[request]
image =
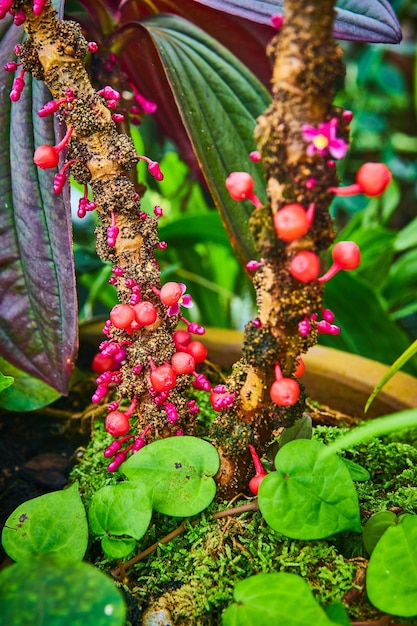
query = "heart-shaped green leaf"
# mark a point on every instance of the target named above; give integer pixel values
(219, 101)
(309, 497)
(53, 524)
(279, 598)
(54, 592)
(391, 576)
(180, 470)
(375, 528)
(122, 509)
(38, 320)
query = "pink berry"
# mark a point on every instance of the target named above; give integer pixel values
(240, 187)
(145, 313)
(197, 350)
(371, 179)
(291, 222)
(46, 157)
(346, 256)
(300, 368)
(170, 293)
(181, 338)
(122, 315)
(183, 363)
(117, 423)
(305, 266)
(285, 392)
(101, 364)
(163, 378)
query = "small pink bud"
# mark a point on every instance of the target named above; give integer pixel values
(92, 46)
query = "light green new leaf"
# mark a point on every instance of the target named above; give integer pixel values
(53, 592)
(5, 381)
(180, 470)
(122, 509)
(54, 524)
(391, 577)
(309, 497)
(278, 598)
(219, 100)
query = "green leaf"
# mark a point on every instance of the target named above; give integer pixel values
(397, 365)
(336, 612)
(122, 509)
(407, 237)
(278, 598)
(308, 497)
(301, 429)
(5, 381)
(180, 470)
(375, 528)
(219, 100)
(391, 577)
(53, 524)
(356, 471)
(53, 592)
(27, 393)
(366, 327)
(116, 547)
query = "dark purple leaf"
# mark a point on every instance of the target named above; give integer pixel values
(356, 20)
(38, 321)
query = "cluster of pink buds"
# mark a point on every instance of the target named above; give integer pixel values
(85, 204)
(324, 326)
(284, 391)
(111, 97)
(221, 398)
(112, 231)
(17, 87)
(114, 449)
(103, 382)
(143, 106)
(61, 178)
(153, 167)
(111, 363)
(53, 105)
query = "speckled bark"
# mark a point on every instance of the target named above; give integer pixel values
(307, 66)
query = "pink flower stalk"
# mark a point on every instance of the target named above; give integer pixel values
(323, 140)
(185, 300)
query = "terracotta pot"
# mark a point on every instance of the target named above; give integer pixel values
(334, 378)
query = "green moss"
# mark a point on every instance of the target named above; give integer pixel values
(194, 575)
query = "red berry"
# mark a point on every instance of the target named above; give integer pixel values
(163, 378)
(347, 255)
(102, 363)
(46, 157)
(197, 350)
(240, 187)
(122, 315)
(305, 266)
(145, 313)
(285, 392)
(117, 423)
(300, 368)
(181, 338)
(255, 482)
(183, 363)
(291, 222)
(373, 178)
(170, 293)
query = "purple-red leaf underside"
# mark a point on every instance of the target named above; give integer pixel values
(38, 313)
(356, 20)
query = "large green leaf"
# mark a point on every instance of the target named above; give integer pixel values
(365, 326)
(179, 470)
(55, 592)
(54, 524)
(37, 287)
(309, 497)
(278, 598)
(219, 101)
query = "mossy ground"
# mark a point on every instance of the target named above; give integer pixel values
(194, 574)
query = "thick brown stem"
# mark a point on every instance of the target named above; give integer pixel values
(307, 66)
